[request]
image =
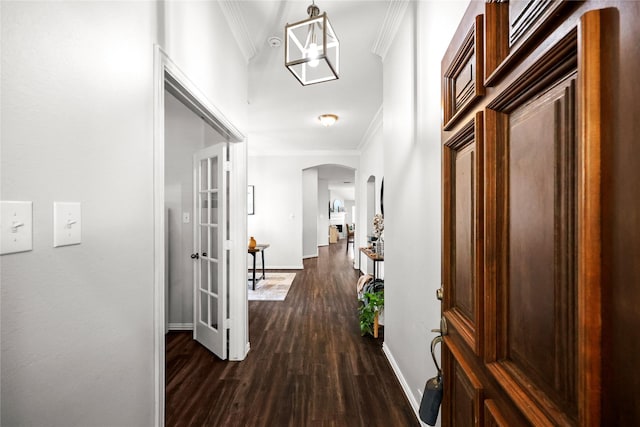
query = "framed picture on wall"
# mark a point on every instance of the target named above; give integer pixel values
(250, 200)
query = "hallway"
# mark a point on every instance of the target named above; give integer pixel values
(308, 364)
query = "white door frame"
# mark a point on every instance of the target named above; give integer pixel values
(166, 72)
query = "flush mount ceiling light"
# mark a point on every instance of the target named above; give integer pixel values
(312, 50)
(328, 119)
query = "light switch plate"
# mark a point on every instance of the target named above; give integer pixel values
(16, 220)
(186, 218)
(67, 224)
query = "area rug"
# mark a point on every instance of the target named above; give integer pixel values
(274, 287)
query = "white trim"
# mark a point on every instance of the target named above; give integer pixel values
(285, 267)
(238, 27)
(390, 26)
(308, 153)
(403, 382)
(158, 236)
(167, 72)
(181, 326)
(238, 295)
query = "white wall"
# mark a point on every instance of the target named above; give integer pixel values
(184, 135)
(412, 187)
(278, 218)
(323, 212)
(371, 164)
(77, 125)
(309, 213)
(348, 218)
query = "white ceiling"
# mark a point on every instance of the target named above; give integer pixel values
(341, 181)
(283, 113)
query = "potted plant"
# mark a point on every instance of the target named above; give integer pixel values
(370, 305)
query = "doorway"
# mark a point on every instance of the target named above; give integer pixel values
(190, 258)
(329, 203)
(169, 79)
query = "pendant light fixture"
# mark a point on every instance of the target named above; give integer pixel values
(312, 50)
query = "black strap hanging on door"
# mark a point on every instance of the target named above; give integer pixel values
(433, 390)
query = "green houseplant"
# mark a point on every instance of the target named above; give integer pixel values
(370, 304)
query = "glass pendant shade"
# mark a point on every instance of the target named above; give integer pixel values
(312, 50)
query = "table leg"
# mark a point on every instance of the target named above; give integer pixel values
(375, 270)
(254, 271)
(263, 276)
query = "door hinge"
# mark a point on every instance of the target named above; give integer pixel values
(227, 323)
(227, 245)
(227, 166)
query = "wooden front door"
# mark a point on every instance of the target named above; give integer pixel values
(524, 91)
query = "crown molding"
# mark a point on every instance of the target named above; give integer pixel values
(301, 153)
(238, 26)
(390, 26)
(374, 127)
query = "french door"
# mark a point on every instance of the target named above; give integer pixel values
(210, 256)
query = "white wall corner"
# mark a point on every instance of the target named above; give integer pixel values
(389, 28)
(238, 26)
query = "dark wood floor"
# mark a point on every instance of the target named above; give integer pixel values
(308, 364)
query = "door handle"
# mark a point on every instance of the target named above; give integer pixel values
(440, 293)
(195, 256)
(204, 254)
(443, 327)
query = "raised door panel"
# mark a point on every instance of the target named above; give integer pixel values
(466, 392)
(463, 242)
(525, 14)
(513, 27)
(534, 294)
(464, 77)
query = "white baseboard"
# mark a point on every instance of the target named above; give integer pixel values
(284, 267)
(403, 382)
(181, 326)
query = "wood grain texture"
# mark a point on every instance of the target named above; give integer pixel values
(308, 364)
(496, 36)
(595, 104)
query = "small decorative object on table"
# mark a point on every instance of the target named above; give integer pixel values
(378, 232)
(252, 243)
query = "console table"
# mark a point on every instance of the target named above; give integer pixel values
(373, 256)
(259, 248)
